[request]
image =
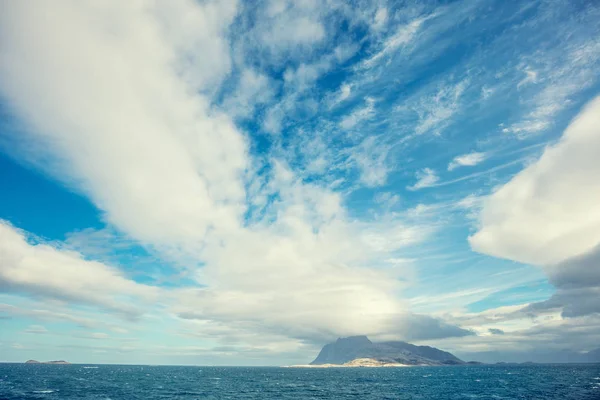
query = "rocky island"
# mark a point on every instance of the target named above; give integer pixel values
(359, 351)
(60, 362)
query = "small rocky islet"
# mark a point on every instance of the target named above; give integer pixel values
(59, 362)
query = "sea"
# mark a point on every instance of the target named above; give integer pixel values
(528, 382)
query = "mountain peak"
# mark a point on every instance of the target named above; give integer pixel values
(360, 340)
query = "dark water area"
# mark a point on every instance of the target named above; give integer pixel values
(21, 381)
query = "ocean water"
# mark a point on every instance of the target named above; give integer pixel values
(21, 381)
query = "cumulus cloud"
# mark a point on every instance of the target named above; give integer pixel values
(549, 211)
(549, 215)
(466, 160)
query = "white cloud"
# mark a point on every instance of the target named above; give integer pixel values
(550, 210)
(285, 29)
(253, 89)
(345, 91)
(380, 19)
(370, 158)
(311, 249)
(562, 73)
(123, 110)
(304, 76)
(98, 335)
(42, 270)
(188, 27)
(297, 82)
(471, 204)
(358, 115)
(487, 92)
(273, 120)
(530, 77)
(425, 178)
(466, 160)
(36, 329)
(115, 110)
(386, 199)
(403, 36)
(301, 30)
(435, 112)
(59, 311)
(527, 127)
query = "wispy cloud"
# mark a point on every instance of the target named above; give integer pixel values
(435, 112)
(350, 121)
(403, 36)
(466, 160)
(425, 178)
(561, 72)
(36, 329)
(436, 182)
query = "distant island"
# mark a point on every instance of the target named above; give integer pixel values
(359, 351)
(62, 362)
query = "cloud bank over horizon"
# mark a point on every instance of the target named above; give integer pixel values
(247, 183)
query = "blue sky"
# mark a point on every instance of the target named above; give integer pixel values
(241, 182)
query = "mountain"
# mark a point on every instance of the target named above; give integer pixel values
(346, 350)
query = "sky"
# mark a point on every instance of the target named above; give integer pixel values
(240, 183)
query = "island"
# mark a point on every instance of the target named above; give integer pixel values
(359, 351)
(59, 362)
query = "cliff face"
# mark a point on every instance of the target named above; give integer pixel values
(345, 350)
